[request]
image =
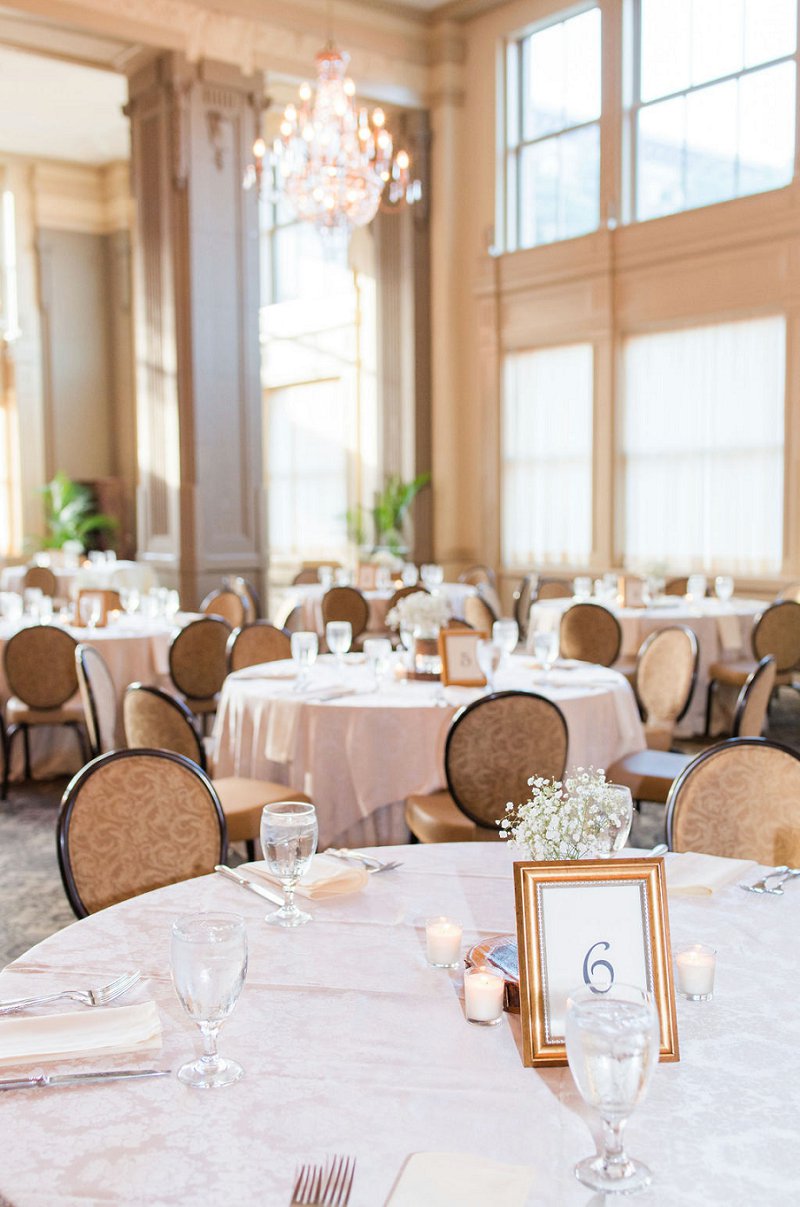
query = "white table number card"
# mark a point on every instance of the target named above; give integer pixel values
(458, 649)
(596, 923)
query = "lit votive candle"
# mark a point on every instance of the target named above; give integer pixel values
(483, 996)
(695, 965)
(443, 942)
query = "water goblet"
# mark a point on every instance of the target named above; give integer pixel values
(383, 578)
(723, 588)
(612, 1039)
(289, 834)
(582, 586)
(304, 654)
(489, 656)
(409, 574)
(132, 601)
(325, 576)
(378, 651)
(696, 588)
(209, 965)
(505, 633)
(546, 647)
(339, 636)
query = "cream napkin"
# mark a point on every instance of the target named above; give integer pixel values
(96, 1032)
(694, 875)
(327, 877)
(460, 1180)
(730, 633)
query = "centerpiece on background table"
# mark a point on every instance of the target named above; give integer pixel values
(419, 617)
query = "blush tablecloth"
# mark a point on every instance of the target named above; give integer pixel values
(351, 1044)
(358, 754)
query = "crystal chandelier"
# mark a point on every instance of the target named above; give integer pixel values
(334, 162)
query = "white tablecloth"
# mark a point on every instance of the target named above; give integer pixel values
(356, 754)
(722, 630)
(95, 574)
(308, 597)
(351, 1044)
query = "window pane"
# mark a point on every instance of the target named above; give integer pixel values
(770, 30)
(711, 118)
(661, 140)
(665, 47)
(692, 435)
(560, 187)
(547, 456)
(766, 133)
(561, 75)
(716, 39)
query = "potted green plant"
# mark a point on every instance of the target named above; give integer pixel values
(70, 514)
(387, 515)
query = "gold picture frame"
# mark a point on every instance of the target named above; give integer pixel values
(567, 931)
(460, 662)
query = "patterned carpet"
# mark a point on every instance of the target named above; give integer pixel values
(32, 900)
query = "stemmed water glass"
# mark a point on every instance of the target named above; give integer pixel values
(505, 633)
(305, 647)
(546, 647)
(339, 636)
(209, 966)
(612, 1041)
(378, 651)
(723, 588)
(289, 835)
(489, 655)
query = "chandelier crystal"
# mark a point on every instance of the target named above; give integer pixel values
(334, 160)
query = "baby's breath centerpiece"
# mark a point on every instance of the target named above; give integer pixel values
(419, 611)
(582, 816)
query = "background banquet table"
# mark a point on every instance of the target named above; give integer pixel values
(97, 574)
(722, 630)
(360, 753)
(308, 597)
(352, 1044)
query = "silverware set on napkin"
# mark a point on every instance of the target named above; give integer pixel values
(324, 1186)
(773, 882)
(369, 861)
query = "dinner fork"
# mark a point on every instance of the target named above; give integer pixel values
(369, 861)
(781, 874)
(325, 1187)
(87, 997)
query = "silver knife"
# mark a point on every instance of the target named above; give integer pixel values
(245, 883)
(46, 1080)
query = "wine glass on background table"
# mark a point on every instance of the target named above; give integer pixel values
(489, 655)
(546, 644)
(505, 633)
(612, 1048)
(723, 588)
(289, 834)
(305, 647)
(209, 966)
(339, 636)
(378, 652)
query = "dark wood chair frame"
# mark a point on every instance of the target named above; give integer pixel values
(93, 729)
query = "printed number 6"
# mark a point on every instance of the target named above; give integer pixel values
(589, 970)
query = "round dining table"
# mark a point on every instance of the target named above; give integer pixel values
(308, 598)
(359, 749)
(353, 1045)
(722, 630)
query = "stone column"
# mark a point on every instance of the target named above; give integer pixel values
(200, 495)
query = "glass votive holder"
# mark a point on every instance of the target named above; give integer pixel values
(695, 965)
(484, 995)
(443, 942)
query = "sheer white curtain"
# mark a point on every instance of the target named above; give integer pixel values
(547, 456)
(702, 447)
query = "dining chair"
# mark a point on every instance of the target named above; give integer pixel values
(775, 632)
(790, 592)
(523, 598)
(257, 642)
(98, 697)
(41, 578)
(739, 799)
(751, 706)
(553, 588)
(479, 576)
(39, 664)
(306, 576)
(493, 747)
(479, 613)
(346, 603)
(154, 719)
(229, 604)
(676, 586)
(136, 820)
(198, 662)
(403, 592)
(243, 586)
(664, 681)
(590, 633)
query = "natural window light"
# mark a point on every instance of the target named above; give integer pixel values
(702, 448)
(553, 132)
(547, 456)
(714, 115)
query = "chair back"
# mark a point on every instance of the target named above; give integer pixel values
(523, 598)
(479, 613)
(346, 603)
(402, 592)
(554, 588)
(99, 698)
(751, 705)
(39, 663)
(198, 659)
(305, 576)
(243, 586)
(666, 672)
(777, 632)
(479, 576)
(495, 745)
(257, 642)
(790, 592)
(155, 720)
(740, 799)
(136, 820)
(229, 604)
(676, 586)
(41, 577)
(590, 633)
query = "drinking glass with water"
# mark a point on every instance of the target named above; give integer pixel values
(289, 833)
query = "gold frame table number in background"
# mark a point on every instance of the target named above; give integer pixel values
(590, 922)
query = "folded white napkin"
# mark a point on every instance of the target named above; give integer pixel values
(692, 874)
(328, 876)
(460, 1180)
(99, 1031)
(263, 670)
(730, 633)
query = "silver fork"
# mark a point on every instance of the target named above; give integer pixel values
(369, 861)
(781, 874)
(327, 1186)
(87, 997)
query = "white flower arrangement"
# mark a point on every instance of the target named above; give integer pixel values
(419, 611)
(564, 820)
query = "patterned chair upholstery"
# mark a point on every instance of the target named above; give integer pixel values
(198, 662)
(478, 613)
(39, 664)
(246, 589)
(554, 588)
(590, 633)
(790, 592)
(776, 633)
(753, 701)
(230, 605)
(41, 578)
(255, 643)
(478, 576)
(99, 698)
(493, 748)
(136, 820)
(740, 799)
(676, 586)
(666, 671)
(346, 603)
(156, 720)
(306, 576)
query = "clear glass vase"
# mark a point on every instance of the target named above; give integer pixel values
(426, 650)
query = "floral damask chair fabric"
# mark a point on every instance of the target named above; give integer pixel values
(478, 613)
(776, 633)
(41, 577)
(553, 588)
(493, 748)
(740, 799)
(230, 605)
(136, 820)
(346, 603)
(257, 642)
(666, 669)
(753, 701)
(198, 662)
(98, 697)
(590, 633)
